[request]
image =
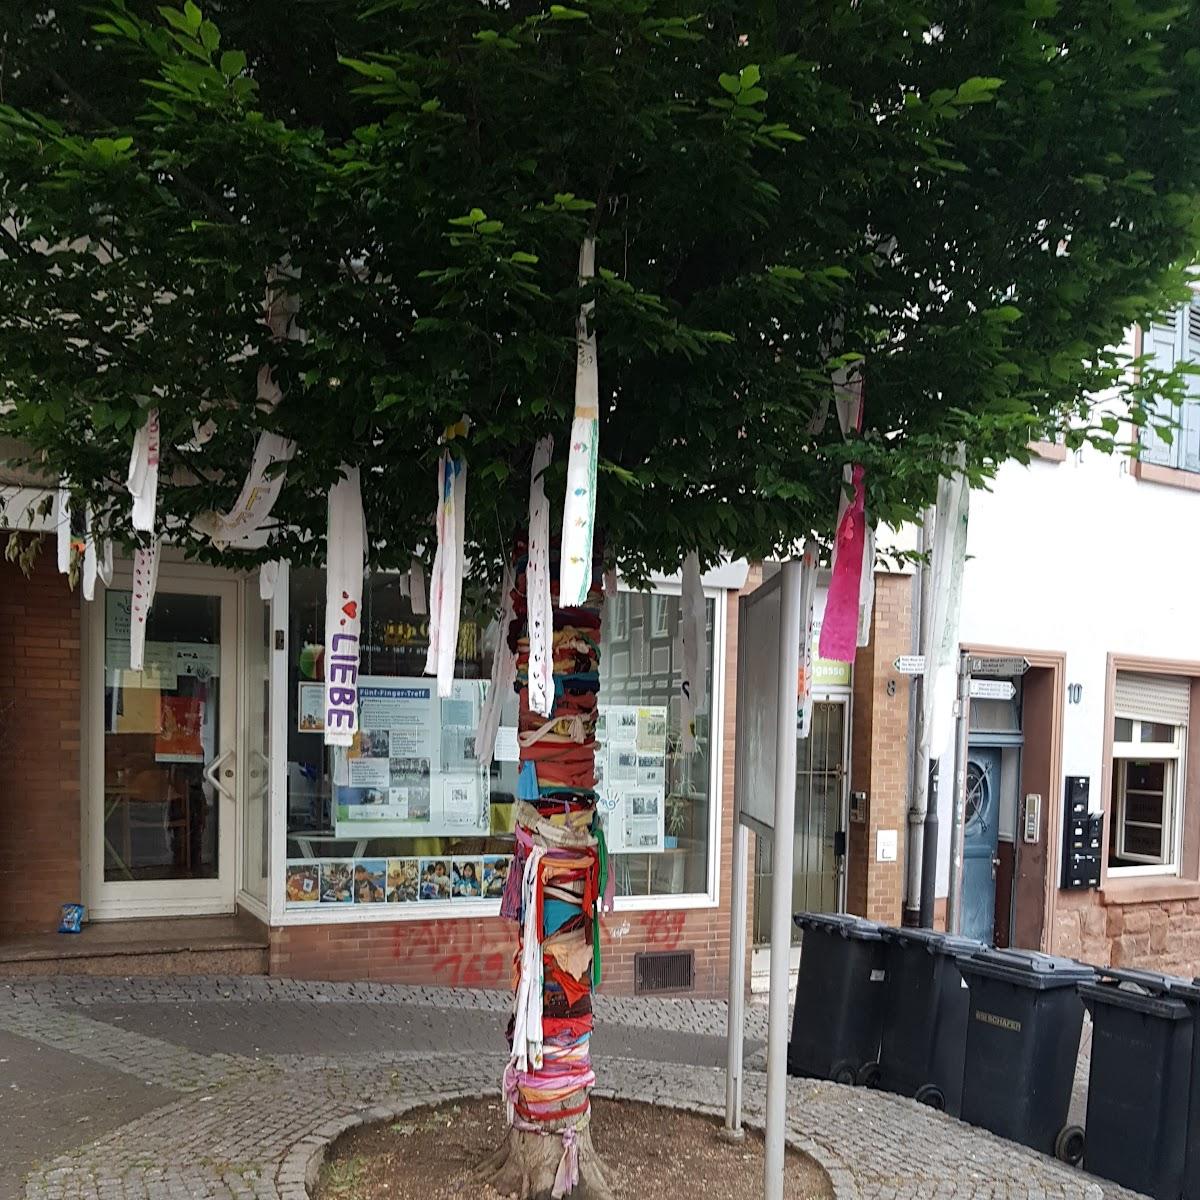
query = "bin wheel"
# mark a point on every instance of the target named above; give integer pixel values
(931, 1095)
(843, 1072)
(868, 1075)
(1068, 1146)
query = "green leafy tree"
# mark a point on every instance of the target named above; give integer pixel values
(970, 203)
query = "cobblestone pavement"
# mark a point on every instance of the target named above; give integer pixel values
(243, 1082)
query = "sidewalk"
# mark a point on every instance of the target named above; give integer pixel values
(228, 1089)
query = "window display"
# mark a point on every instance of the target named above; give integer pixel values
(406, 815)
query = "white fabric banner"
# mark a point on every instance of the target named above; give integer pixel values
(866, 592)
(268, 576)
(537, 579)
(62, 527)
(445, 599)
(504, 674)
(416, 588)
(242, 525)
(947, 561)
(142, 480)
(91, 559)
(693, 634)
(344, 561)
(145, 582)
(808, 596)
(579, 508)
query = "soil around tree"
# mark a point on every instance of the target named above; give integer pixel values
(434, 1154)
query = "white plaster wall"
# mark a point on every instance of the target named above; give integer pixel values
(1082, 558)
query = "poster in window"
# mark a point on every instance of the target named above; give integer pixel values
(180, 739)
(403, 880)
(631, 770)
(412, 771)
(303, 882)
(311, 708)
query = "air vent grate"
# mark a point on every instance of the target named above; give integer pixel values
(655, 974)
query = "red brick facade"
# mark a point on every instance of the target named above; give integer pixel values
(39, 746)
(879, 754)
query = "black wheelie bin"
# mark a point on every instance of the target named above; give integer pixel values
(1023, 1031)
(1139, 1079)
(925, 1018)
(839, 999)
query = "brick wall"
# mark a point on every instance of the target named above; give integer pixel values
(479, 952)
(879, 753)
(39, 746)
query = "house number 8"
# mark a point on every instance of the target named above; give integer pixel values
(1074, 693)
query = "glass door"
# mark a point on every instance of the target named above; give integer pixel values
(163, 776)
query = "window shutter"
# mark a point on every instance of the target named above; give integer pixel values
(1164, 698)
(1163, 345)
(1189, 417)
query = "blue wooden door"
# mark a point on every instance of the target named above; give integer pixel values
(980, 842)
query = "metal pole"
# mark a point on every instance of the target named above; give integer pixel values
(736, 1028)
(929, 866)
(959, 800)
(919, 781)
(781, 876)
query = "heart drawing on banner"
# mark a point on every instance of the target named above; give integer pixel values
(350, 608)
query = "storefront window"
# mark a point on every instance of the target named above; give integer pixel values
(406, 817)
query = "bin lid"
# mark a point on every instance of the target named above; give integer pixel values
(1027, 968)
(1146, 992)
(934, 940)
(841, 924)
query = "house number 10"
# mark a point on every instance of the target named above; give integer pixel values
(1074, 693)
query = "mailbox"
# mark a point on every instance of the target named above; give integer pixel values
(1083, 836)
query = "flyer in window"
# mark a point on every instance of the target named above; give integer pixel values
(631, 771)
(411, 771)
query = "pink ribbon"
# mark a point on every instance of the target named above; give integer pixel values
(567, 1176)
(839, 629)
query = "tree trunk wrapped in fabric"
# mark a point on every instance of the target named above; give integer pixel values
(554, 893)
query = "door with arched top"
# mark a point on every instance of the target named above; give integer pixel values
(981, 842)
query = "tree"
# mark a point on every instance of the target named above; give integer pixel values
(966, 204)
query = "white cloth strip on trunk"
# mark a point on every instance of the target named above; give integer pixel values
(268, 576)
(947, 559)
(537, 576)
(579, 509)
(344, 553)
(808, 594)
(62, 527)
(694, 637)
(145, 581)
(866, 592)
(527, 1027)
(142, 480)
(416, 588)
(504, 674)
(91, 560)
(243, 524)
(445, 597)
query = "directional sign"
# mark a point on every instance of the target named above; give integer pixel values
(910, 664)
(992, 689)
(979, 664)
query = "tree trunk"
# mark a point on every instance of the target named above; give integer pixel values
(554, 892)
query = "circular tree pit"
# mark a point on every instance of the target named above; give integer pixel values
(433, 1153)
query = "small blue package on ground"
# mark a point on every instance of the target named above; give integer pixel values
(72, 919)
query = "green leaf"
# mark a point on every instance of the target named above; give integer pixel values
(233, 62)
(750, 75)
(559, 12)
(522, 256)
(210, 36)
(195, 18)
(731, 83)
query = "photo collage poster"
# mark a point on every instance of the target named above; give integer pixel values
(396, 880)
(412, 770)
(631, 777)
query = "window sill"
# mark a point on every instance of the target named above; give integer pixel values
(1049, 451)
(1144, 888)
(1168, 476)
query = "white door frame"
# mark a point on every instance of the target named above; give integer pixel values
(107, 900)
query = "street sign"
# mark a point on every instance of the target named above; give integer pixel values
(910, 664)
(980, 664)
(992, 689)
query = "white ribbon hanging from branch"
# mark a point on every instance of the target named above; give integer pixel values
(693, 633)
(808, 593)
(416, 588)
(62, 527)
(947, 560)
(579, 509)
(504, 674)
(445, 598)
(145, 582)
(91, 557)
(242, 525)
(344, 561)
(142, 479)
(268, 577)
(537, 575)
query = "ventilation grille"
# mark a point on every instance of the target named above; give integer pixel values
(1193, 321)
(657, 973)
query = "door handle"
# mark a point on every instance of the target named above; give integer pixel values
(213, 772)
(995, 866)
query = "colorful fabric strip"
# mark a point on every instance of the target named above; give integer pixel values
(537, 576)
(344, 558)
(145, 581)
